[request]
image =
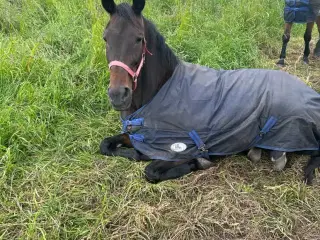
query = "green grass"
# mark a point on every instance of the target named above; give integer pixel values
(54, 112)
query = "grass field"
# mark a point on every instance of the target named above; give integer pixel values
(54, 112)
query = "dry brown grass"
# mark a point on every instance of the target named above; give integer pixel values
(233, 200)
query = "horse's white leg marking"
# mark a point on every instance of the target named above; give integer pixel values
(279, 160)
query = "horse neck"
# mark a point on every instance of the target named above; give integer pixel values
(158, 68)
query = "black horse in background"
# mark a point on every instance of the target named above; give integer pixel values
(140, 65)
(302, 11)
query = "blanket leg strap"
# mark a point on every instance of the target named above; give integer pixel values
(200, 144)
(266, 128)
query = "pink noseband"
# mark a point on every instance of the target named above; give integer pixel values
(133, 74)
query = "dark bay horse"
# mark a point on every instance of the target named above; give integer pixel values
(310, 16)
(140, 65)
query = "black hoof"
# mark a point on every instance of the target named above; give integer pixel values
(151, 175)
(308, 178)
(281, 63)
(203, 164)
(107, 146)
(305, 60)
(254, 154)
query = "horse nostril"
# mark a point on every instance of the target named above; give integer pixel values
(113, 93)
(126, 93)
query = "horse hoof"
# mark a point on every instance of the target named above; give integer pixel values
(306, 60)
(278, 162)
(203, 164)
(106, 146)
(151, 175)
(254, 155)
(281, 63)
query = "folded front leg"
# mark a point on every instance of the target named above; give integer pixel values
(110, 144)
(159, 170)
(120, 146)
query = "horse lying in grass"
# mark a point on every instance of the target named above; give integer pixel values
(303, 11)
(184, 116)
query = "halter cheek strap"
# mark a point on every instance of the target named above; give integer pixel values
(133, 74)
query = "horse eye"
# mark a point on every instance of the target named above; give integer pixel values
(139, 40)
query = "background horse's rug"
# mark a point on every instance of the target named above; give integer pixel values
(300, 11)
(202, 111)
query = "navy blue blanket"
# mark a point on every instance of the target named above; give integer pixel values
(202, 111)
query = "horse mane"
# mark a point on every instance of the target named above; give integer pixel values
(168, 58)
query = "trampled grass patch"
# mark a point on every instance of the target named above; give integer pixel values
(54, 112)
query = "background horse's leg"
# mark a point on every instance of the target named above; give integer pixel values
(307, 39)
(317, 48)
(285, 40)
(159, 170)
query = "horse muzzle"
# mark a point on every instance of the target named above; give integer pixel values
(120, 98)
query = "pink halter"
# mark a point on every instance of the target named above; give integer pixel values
(133, 74)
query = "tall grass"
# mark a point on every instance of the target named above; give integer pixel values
(54, 112)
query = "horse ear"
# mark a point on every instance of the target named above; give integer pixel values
(109, 6)
(138, 6)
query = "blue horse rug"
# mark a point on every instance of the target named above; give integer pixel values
(299, 11)
(201, 112)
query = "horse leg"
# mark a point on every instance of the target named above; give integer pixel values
(159, 170)
(111, 146)
(307, 39)
(317, 48)
(279, 160)
(312, 165)
(285, 40)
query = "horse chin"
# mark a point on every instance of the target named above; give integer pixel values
(122, 107)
